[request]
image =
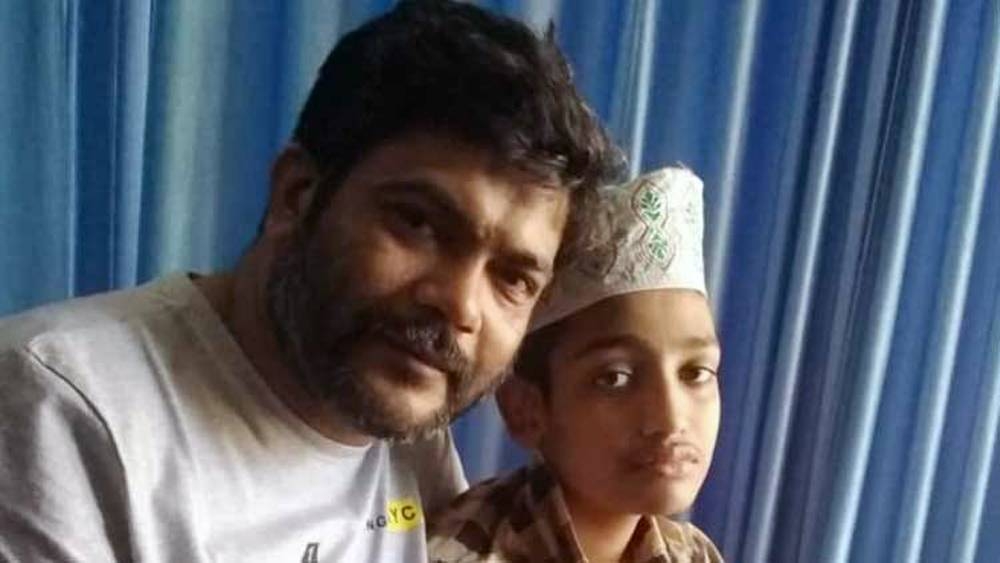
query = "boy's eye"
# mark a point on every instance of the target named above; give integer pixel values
(699, 375)
(614, 379)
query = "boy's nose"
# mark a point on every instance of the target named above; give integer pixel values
(666, 407)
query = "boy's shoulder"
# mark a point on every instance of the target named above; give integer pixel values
(682, 537)
(502, 519)
(488, 503)
(523, 517)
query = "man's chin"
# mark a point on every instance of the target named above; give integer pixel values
(391, 407)
(388, 426)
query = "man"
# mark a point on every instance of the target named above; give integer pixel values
(292, 409)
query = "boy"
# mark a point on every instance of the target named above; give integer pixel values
(616, 393)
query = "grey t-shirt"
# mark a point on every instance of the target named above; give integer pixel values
(133, 428)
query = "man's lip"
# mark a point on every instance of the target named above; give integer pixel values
(417, 354)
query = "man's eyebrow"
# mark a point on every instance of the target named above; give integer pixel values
(527, 261)
(442, 202)
(430, 193)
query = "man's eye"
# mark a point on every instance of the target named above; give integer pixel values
(412, 219)
(614, 379)
(518, 286)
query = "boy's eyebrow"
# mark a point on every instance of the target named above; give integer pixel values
(610, 341)
(616, 340)
(700, 342)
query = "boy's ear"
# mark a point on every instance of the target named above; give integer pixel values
(523, 409)
(294, 178)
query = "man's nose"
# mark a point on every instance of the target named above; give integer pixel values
(454, 287)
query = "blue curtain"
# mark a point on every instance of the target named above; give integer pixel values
(851, 154)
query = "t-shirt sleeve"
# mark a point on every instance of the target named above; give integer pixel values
(440, 476)
(62, 489)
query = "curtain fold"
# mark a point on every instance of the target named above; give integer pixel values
(900, 176)
(975, 171)
(960, 243)
(851, 156)
(799, 292)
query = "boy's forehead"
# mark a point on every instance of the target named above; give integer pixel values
(664, 315)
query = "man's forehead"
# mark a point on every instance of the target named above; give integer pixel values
(493, 201)
(432, 150)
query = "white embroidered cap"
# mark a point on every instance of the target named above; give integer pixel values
(648, 235)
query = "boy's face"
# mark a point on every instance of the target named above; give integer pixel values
(633, 412)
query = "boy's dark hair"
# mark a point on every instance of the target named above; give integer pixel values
(532, 360)
(455, 68)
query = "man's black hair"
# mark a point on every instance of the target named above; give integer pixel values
(454, 68)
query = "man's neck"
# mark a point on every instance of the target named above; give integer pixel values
(239, 298)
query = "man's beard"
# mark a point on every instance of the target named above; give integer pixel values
(319, 324)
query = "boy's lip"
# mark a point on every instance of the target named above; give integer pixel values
(676, 458)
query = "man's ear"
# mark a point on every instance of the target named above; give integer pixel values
(523, 409)
(294, 177)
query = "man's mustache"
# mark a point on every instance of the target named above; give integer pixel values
(429, 339)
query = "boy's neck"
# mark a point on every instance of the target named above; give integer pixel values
(603, 536)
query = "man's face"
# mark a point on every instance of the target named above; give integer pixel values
(632, 415)
(408, 298)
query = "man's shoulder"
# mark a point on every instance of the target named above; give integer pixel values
(102, 345)
(94, 313)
